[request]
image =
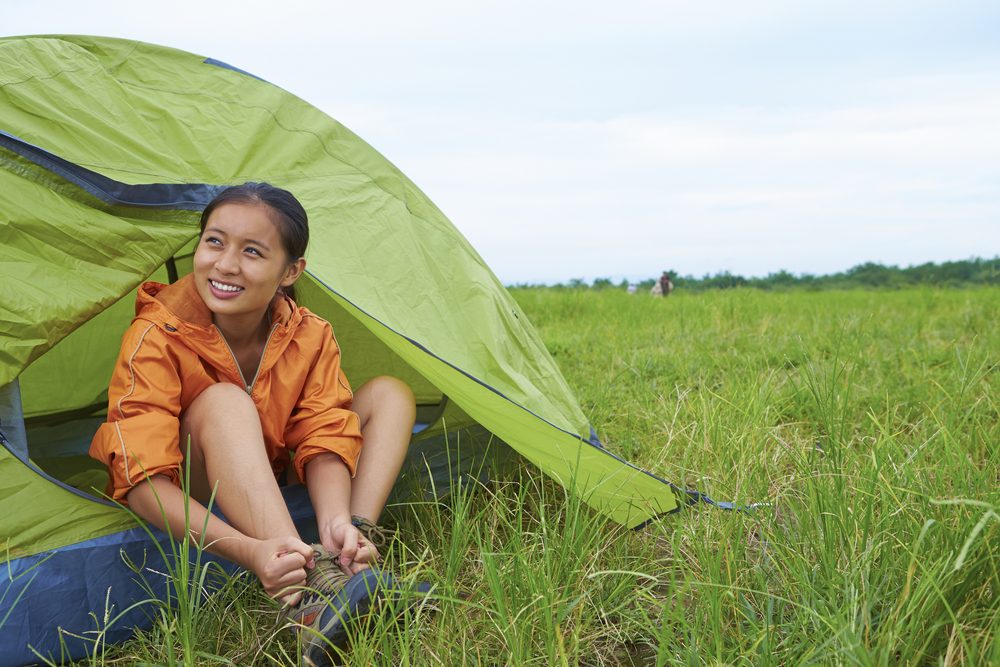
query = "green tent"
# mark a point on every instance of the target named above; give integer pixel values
(108, 151)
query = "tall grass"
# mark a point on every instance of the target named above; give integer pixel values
(869, 421)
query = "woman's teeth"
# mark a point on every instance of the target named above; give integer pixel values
(224, 287)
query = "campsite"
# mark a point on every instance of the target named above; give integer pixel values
(869, 420)
(724, 476)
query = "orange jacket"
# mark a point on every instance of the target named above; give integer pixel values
(172, 352)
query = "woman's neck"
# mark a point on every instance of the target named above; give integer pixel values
(245, 330)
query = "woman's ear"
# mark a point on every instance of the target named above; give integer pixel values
(293, 272)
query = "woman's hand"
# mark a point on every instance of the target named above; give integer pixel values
(355, 551)
(329, 483)
(280, 563)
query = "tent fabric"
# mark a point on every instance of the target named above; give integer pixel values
(185, 196)
(365, 214)
(108, 150)
(63, 605)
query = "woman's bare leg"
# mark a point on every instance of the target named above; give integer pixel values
(387, 410)
(227, 449)
(227, 452)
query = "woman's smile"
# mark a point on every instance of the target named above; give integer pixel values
(223, 290)
(239, 265)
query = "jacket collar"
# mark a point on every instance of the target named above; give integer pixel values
(179, 304)
(179, 309)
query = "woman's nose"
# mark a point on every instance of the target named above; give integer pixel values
(227, 263)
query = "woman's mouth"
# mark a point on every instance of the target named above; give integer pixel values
(224, 290)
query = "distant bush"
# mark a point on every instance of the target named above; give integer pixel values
(870, 275)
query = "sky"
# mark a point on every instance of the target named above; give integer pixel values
(582, 140)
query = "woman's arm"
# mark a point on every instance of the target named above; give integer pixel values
(329, 482)
(279, 562)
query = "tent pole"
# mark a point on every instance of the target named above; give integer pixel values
(12, 420)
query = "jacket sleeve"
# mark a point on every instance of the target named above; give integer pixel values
(322, 420)
(141, 437)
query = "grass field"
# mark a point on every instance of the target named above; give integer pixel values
(869, 420)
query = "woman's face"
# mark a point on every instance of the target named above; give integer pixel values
(240, 261)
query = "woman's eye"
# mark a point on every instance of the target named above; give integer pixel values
(211, 240)
(253, 251)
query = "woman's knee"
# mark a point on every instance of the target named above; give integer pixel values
(390, 391)
(224, 394)
(385, 400)
(218, 399)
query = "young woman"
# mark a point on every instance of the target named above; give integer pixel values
(223, 362)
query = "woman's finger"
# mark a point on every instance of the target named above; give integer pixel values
(296, 545)
(350, 548)
(288, 559)
(289, 600)
(290, 578)
(367, 553)
(282, 565)
(357, 566)
(326, 539)
(280, 582)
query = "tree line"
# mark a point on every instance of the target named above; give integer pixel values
(870, 275)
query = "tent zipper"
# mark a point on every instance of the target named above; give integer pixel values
(248, 388)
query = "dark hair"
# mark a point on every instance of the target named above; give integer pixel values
(286, 213)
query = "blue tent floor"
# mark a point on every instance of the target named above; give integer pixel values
(60, 603)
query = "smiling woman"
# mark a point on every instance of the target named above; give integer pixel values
(224, 361)
(252, 245)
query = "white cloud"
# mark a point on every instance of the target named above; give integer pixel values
(751, 191)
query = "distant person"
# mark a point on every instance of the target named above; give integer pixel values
(631, 288)
(666, 286)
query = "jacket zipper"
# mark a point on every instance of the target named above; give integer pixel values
(248, 387)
